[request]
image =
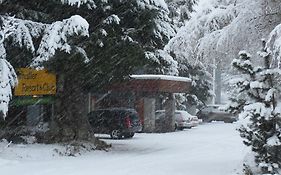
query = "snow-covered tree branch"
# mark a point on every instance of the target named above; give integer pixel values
(90, 3)
(22, 32)
(274, 45)
(56, 37)
(218, 30)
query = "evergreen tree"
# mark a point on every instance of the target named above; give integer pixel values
(200, 86)
(180, 11)
(129, 46)
(23, 33)
(257, 100)
(123, 37)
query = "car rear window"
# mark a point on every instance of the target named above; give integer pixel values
(178, 115)
(186, 115)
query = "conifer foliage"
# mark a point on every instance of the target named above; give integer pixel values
(23, 33)
(256, 99)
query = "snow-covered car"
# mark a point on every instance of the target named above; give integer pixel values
(215, 113)
(182, 119)
(195, 121)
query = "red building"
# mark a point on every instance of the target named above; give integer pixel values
(142, 91)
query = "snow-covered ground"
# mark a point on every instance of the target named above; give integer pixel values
(213, 149)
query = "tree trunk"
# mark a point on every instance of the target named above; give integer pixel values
(69, 122)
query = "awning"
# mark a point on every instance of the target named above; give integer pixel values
(154, 83)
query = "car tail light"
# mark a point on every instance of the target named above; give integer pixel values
(128, 122)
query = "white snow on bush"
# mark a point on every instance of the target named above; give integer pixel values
(112, 19)
(273, 141)
(274, 43)
(257, 85)
(56, 37)
(8, 80)
(22, 32)
(163, 58)
(270, 94)
(151, 4)
(164, 27)
(25, 31)
(78, 3)
(103, 32)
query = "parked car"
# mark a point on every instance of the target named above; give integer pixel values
(117, 122)
(215, 113)
(182, 119)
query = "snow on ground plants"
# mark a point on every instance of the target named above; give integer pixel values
(213, 149)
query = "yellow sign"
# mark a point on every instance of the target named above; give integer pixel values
(35, 82)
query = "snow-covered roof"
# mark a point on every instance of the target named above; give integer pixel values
(160, 77)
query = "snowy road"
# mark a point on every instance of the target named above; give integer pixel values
(213, 149)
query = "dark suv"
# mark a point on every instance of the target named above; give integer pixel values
(117, 122)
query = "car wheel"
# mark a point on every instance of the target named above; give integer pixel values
(176, 127)
(180, 128)
(115, 134)
(129, 135)
(228, 121)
